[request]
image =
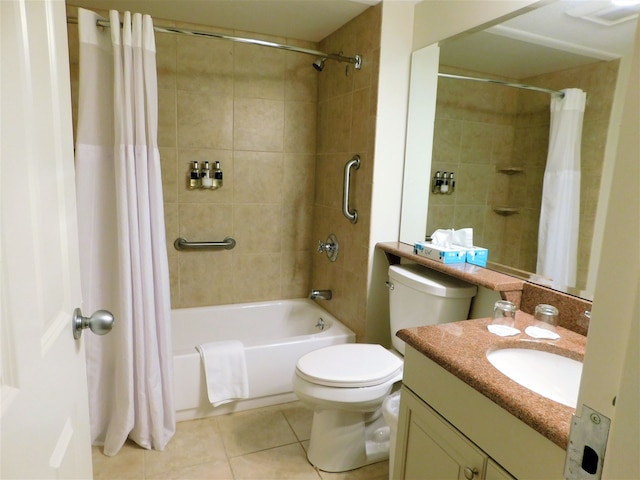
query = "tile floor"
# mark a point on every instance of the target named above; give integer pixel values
(262, 444)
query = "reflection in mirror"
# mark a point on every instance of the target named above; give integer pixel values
(495, 138)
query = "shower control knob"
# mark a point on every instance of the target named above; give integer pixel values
(330, 247)
(100, 322)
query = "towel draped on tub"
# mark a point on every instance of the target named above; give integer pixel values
(225, 370)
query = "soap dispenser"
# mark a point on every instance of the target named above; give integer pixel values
(193, 177)
(444, 186)
(207, 178)
(217, 176)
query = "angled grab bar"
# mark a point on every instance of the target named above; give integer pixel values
(352, 215)
(182, 244)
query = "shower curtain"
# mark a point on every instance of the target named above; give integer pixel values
(560, 209)
(123, 253)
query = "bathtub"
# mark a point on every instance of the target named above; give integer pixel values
(275, 334)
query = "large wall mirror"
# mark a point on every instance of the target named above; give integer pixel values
(495, 138)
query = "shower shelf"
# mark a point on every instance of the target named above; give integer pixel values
(506, 211)
(507, 170)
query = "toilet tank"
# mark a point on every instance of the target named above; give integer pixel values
(421, 296)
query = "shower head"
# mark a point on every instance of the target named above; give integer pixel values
(319, 64)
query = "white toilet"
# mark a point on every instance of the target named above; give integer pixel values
(346, 384)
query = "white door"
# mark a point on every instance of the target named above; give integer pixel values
(45, 417)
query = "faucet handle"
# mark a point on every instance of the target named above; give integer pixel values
(330, 247)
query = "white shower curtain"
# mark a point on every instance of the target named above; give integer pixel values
(560, 210)
(124, 266)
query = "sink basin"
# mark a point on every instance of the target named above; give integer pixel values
(548, 374)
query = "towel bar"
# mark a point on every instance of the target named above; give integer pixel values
(181, 244)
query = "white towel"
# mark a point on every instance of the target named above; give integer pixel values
(225, 371)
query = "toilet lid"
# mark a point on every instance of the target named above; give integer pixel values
(349, 365)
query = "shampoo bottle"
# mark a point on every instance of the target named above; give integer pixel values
(217, 176)
(193, 178)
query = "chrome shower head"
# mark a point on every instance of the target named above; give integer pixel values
(319, 64)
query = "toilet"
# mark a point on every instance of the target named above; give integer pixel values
(346, 384)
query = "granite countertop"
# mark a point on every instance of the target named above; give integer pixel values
(460, 348)
(465, 271)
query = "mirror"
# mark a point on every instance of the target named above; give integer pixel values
(495, 138)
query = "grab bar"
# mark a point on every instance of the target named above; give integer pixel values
(346, 211)
(182, 244)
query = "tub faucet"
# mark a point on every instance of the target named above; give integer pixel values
(324, 294)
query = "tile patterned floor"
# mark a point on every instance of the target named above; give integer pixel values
(262, 444)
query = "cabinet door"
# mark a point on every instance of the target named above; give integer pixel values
(496, 472)
(430, 448)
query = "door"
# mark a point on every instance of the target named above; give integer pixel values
(44, 418)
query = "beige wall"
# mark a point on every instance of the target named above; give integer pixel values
(474, 133)
(346, 126)
(265, 114)
(480, 127)
(253, 109)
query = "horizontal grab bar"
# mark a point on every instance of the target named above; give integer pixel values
(354, 163)
(182, 244)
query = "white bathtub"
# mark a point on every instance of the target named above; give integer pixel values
(275, 334)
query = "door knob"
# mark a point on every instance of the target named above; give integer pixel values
(100, 322)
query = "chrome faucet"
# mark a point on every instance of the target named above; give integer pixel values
(324, 294)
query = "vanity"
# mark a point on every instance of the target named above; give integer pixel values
(460, 417)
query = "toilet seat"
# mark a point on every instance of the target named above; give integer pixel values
(349, 365)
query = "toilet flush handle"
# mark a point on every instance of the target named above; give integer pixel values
(389, 285)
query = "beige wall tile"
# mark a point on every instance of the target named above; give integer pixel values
(300, 127)
(258, 125)
(205, 121)
(258, 72)
(204, 65)
(256, 277)
(204, 278)
(258, 177)
(257, 228)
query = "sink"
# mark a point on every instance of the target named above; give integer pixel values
(548, 374)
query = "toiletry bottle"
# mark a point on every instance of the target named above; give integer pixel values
(193, 179)
(217, 176)
(207, 178)
(444, 187)
(452, 183)
(437, 181)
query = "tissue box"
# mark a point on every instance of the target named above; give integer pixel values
(477, 256)
(439, 253)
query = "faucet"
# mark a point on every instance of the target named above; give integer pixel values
(324, 294)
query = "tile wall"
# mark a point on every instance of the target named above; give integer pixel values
(480, 127)
(253, 109)
(283, 133)
(346, 126)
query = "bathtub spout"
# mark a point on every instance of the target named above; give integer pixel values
(324, 294)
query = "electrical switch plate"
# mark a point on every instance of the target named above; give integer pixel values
(587, 444)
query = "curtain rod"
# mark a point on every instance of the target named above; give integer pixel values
(503, 83)
(356, 60)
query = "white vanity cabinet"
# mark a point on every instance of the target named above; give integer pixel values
(435, 450)
(447, 431)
